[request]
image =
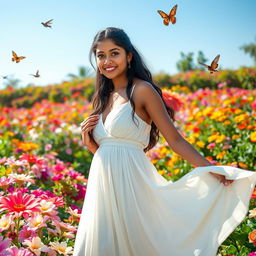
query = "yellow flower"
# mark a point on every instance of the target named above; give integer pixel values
(216, 115)
(213, 137)
(176, 171)
(195, 135)
(161, 172)
(207, 111)
(220, 138)
(221, 155)
(240, 118)
(253, 136)
(191, 140)
(200, 144)
(222, 118)
(164, 151)
(11, 134)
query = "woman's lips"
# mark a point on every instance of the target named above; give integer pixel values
(110, 69)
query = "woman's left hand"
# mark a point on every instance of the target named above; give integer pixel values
(222, 179)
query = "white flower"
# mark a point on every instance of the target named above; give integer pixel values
(58, 130)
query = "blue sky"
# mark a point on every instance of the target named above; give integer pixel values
(215, 27)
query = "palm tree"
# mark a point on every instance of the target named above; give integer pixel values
(83, 72)
(250, 49)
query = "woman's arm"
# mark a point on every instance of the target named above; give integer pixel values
(92, 147)
(153, 104)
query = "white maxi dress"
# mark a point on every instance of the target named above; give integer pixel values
(131, 210)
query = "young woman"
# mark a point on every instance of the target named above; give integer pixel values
(129, 209)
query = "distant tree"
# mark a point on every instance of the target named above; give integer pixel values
(83, 72)
(11, 81)
(250, 49)
(201, 58)
(186, 62)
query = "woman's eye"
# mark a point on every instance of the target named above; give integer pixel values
(115, 53)
(100, 56)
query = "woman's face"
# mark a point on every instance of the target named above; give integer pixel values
(112, 60)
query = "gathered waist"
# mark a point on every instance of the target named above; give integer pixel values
(121, 143)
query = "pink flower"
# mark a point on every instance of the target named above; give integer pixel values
(26, 233)
(36, 246)
(14, 251)
(19, 204)
(3, 245)
(81, 192)
(6, 182)
(57, 177)
(211, 145)
(48, 147)
(252, 254)
(69, 151)
(2, 160)
(253, 104)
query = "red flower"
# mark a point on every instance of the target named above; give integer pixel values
(172, 101)
(253, 196)
(30, 158)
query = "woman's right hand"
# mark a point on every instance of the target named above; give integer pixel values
(86, 127)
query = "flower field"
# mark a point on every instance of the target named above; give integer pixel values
(44, 166)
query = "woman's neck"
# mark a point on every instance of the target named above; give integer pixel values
(120, 84)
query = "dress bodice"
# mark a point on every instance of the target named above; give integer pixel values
(120, 127)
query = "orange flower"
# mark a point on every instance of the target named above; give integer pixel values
(252, 237)
(242, 165)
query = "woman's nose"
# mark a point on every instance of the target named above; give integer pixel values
(107, 60)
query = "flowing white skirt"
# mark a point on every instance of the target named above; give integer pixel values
(131, 210)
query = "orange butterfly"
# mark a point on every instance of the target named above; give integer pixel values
(16, 58)
(213, 66)
(171, 17)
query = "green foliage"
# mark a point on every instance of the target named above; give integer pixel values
(186, 62)
(242, 78)
(251, 50)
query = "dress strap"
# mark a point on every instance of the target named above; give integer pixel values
(132, 89)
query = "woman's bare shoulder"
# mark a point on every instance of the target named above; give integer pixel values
(143, 89)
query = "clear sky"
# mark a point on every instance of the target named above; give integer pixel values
(215, 27)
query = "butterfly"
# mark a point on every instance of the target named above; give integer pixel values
(36, 75)
(16, 58)
(171, 17)
(47, 23)
(213, 66)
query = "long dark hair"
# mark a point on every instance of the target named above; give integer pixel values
(138, 69)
